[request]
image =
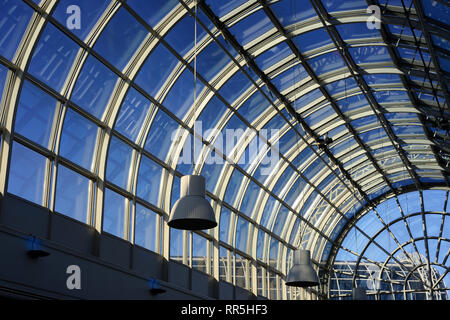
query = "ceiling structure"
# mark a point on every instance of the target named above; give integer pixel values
(98, 124)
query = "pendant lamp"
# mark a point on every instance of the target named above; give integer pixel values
(302, 273)
(192, 211)
(359, 293)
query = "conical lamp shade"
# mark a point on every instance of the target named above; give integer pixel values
(192, 211)
(359, 293)
(302, 273)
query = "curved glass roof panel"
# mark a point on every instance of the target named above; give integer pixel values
(52, 64)
(94, 86)
(160, 8)
(300, 131)
(118, 44)
(312, 40)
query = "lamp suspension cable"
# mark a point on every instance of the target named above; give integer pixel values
(195, 89)
(192, 211)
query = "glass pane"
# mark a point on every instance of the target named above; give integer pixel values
(119, 162)
(436, 10)
(434, 200)
(14, 18)
(181, 96)
(221, 8)
(320, 115)
(181, 37)
(281, 220)
(332, 5)
(211, 60)
(351, 31)
(290, 12)
(114, 214)
(132, 114)
(199, 252)
(241, 234)
(3, 73)
(290, 77)
(249, 200)
(251, 27)
(210, 116)
(176, 244)
(212, 169)
(224, 264)
(72, 191)
(53, 57)
(225, 216)
(254, 106)
(34, 115)
(159, 138)
(370, 54)
(273, 55)
(78, 139)
(270, 209)
(145, 234)
(233, 186)
(326, 62)
(26, 173)
(156, 70)
(152, 12)
(117, 43)
(341, 86)
(273, 253)
(94, 86)
(312, 40)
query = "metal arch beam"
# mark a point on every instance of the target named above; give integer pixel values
(402, 218)
(413, 240)
(405, 189)
(442, 82)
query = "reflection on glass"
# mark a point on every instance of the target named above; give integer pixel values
(176, 244)
(53, 57)
(132, 114)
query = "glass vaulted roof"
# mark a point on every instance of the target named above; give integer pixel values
(308, 116)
